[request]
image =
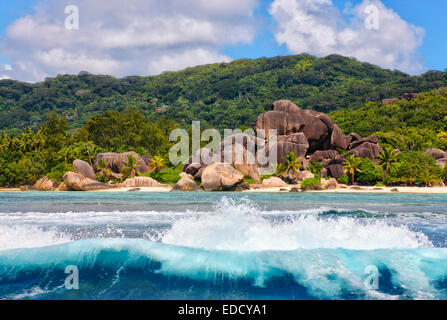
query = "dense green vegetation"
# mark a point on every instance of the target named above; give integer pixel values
(408, 126)
(227, 95)
(50, 150)
(45, 126)
(405, 125)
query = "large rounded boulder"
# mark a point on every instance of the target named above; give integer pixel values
(436, 153)
(84, 168)
(234, 151)
(221, 177)
(185, 184)
(77, 182)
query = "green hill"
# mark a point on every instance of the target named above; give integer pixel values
(417, 124)
(226, 95)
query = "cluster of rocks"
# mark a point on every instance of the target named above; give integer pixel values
(311, 135)
(439, 155)
(83, 177)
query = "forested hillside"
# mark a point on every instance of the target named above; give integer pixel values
(226, 95)
(407, 125)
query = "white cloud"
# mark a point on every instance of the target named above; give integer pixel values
(136, 37)
(318, 27)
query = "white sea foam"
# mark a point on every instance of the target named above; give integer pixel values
(230, 225)
(238, 226)
(18, 236)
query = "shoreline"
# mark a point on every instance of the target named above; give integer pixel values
(351, 189)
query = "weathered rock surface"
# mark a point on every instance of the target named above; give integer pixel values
(436, 153)
(221, 177)
(84, 168)
(44, 184)
(329, 184)
(116, 161)
(442, 162)
(240, 158)
(336, 170)
(141, 182)
(322, 155)
(77, 182)
(293, 177)
(366, 149)
(274, 182)
(296, 143)
(185, 184)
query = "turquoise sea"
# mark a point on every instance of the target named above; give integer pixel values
(222, 246)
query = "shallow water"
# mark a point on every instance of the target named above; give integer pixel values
(223, 245)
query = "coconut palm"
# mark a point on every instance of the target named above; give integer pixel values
(352, 164)
(292, 163)
(276, 169)
(387, 157)
(130, 167)
(92, 151)
(157, 163)
(38, 140)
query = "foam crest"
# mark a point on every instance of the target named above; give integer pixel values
(17, 236)
(238, 225)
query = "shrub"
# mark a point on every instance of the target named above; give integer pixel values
(369, 172)
(311, 182)
(315, 167)
(167, 175)
(414, 166)
(56, 174)
(344, 179)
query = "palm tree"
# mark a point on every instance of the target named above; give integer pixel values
(131, 166)
(4, 140)
(39, 140)
(292, 163)
(387, 157)
(92, 151)
(157, 163)
(352, 164)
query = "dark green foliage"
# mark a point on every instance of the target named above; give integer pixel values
(124, 131)
(369, 172)
(311, 182)
(344, 179)
(167, 175)
(315, 167)
(414, 167)
(225, 95)
(50, 151)
(58, 171)
(406, 125)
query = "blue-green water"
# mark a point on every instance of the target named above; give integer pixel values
(223, 245)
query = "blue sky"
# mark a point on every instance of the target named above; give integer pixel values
(34, 44)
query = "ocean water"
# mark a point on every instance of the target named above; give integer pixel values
(222, 246)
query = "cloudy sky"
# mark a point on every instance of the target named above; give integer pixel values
(42, 38)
